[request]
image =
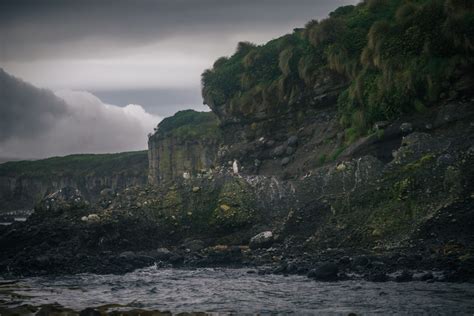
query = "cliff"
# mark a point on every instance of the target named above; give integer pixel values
(23, 183)
(183, 146)
(335, 80)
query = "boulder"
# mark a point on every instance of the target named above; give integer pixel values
(290, 151)
(326, 272)
(406, 128)
(285, 161)
(292, 141)
(161, 253)
(262, 240)
(279, 151)
(405, 276)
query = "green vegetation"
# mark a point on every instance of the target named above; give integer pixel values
(79, 165)
(396, 56)
(189, 124)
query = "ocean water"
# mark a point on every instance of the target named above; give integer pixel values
(225, 291)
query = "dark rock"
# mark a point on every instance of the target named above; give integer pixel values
(161, 253)
(360, 261)
(257, 163)
(406, 128)
(378, 277)
(292, 141)
(290, 151)
(405, 276)
(326, 272)
(280, 269)
(426, 276)
(279, 151)
(345, 260)
(194, 245)
(89, 312)
(262, 240)
(285, 161)
(270, 143)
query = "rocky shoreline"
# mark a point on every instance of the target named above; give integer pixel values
(366, 214)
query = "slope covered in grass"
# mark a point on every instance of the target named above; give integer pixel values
(395, 56)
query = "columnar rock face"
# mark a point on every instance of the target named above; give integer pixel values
(184, 145)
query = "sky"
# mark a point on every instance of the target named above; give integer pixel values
(148, 53)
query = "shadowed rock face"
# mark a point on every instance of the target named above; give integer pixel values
(184, 145)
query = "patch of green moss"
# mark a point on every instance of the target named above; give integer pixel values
(420, 163)
(235, 207)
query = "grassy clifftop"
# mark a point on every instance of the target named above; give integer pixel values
(189, 124)
(395, 56)
(79, 165)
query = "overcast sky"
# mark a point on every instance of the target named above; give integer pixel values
(147, 52)
(117, 48)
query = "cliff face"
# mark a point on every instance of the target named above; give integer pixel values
(23, 183)
(183, 146)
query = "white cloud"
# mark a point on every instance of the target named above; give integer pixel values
(90, 126)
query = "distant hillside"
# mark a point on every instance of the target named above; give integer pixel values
(22, 183)
(78, 165)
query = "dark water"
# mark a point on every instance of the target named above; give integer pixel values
(235, 290)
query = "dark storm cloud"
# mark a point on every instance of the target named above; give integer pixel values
(25, 110)
(31, 29)
(35, 123)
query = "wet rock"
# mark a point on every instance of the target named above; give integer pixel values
(345, 260)
(406, 128)
(89, 312)
(426, 276)
(270, 143)
(290, 151)
(360, 261)
(262, 240)
(326, 272)
(160, 254)
(378, 277)
(285, 161)
(405, 276)
(292, 141)
(279, 151)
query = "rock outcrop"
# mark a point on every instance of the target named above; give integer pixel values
(183, 146)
